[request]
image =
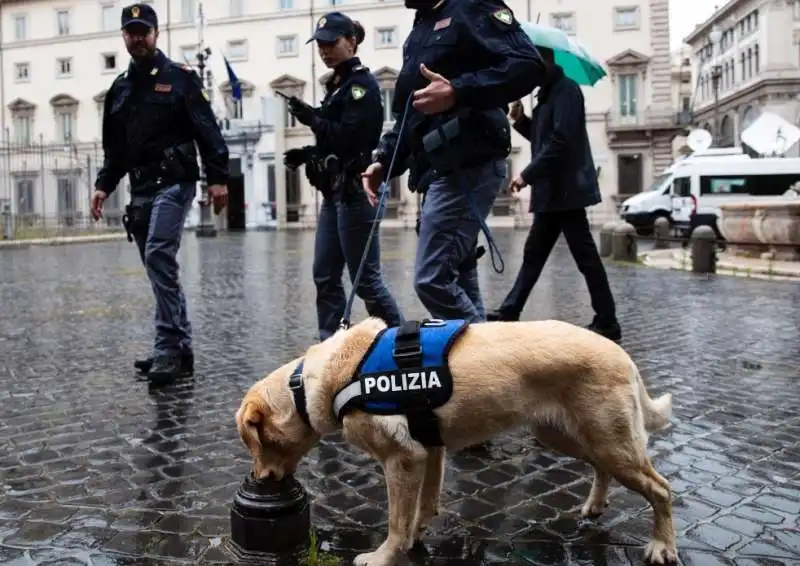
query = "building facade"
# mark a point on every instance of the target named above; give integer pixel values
(58, 58)
(746, 60)
(683, 93)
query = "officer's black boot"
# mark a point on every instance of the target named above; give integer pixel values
(187, 364)
(606, 327)
(498, 315)
(165, 369)
(143, 365)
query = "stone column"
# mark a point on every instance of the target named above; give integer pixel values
(280, 168)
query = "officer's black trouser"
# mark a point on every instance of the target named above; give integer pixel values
(546, 228)
(158, 242)
(342, 231)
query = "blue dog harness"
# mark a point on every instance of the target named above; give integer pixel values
(404, 372)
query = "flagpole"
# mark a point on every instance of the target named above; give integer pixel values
(206, 228)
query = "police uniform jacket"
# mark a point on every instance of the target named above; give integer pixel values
(489, 60)
(349, 122)
(147, 113)
(561, 173)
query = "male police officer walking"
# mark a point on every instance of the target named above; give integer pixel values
(153, 114)
(475, 59)
(347, 127)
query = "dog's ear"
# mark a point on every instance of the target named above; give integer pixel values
(250, 421)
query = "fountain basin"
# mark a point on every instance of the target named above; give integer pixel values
(758, 228)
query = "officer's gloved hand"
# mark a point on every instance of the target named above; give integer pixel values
(294, 158)
(472, 261)
(302, 111)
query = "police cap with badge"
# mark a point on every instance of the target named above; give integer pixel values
(139, 14)
(331, 27)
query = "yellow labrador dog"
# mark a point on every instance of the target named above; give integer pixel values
(580, 393)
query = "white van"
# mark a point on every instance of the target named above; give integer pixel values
(641, 210)
(699, 188)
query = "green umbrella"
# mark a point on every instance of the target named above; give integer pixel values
(570, 54)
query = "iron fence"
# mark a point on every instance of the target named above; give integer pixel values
(46, 188)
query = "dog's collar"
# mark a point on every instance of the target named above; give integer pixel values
(299, 393)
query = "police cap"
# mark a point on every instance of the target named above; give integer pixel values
(142, 14)
(332, 26)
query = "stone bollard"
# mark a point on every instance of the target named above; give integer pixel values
(606, 233)
(270, 522)
(623, 243)
(704, 250)
(661, 232)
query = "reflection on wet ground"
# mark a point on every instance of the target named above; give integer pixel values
(97, 469)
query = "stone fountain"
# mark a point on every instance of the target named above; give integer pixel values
(772, 226)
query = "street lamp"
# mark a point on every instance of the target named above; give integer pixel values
(716, 74)
(206, 227)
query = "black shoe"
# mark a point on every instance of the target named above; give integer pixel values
(498, 315)
(165, 369)
(187, 364)
(609, 329)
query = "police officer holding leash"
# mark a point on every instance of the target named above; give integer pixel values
(152, 116)
(347, 127)
(463, 63)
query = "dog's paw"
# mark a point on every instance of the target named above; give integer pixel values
(592, 509)
(659, 552)
(376, 558)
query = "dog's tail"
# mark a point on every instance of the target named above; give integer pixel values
(656, 412)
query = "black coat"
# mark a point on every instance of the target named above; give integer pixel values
(150, 110)
(561, 172)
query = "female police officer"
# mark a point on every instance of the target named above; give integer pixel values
(347, 128)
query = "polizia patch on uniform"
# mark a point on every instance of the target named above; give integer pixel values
(504, 16)
(163, 87)
(358, 92)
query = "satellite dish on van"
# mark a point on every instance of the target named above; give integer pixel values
(699, 140)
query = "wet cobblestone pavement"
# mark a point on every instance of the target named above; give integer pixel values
(96, 469)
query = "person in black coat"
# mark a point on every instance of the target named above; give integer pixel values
(564, 182)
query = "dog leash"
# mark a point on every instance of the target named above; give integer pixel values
(383, 191)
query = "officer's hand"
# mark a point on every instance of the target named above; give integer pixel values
(437, 97)
(218, 194)
(516, 111)
(98, 198)
(371, 180)
(517, 184)
(294, 158)
(302, 111)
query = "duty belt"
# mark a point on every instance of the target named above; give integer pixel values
(168, 167)
(151, 172)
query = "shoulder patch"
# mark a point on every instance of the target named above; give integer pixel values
(357, 92)
(504, 16)
(205, 95)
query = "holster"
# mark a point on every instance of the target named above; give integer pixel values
(136, 219)
(466, 139)
(318, 175)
